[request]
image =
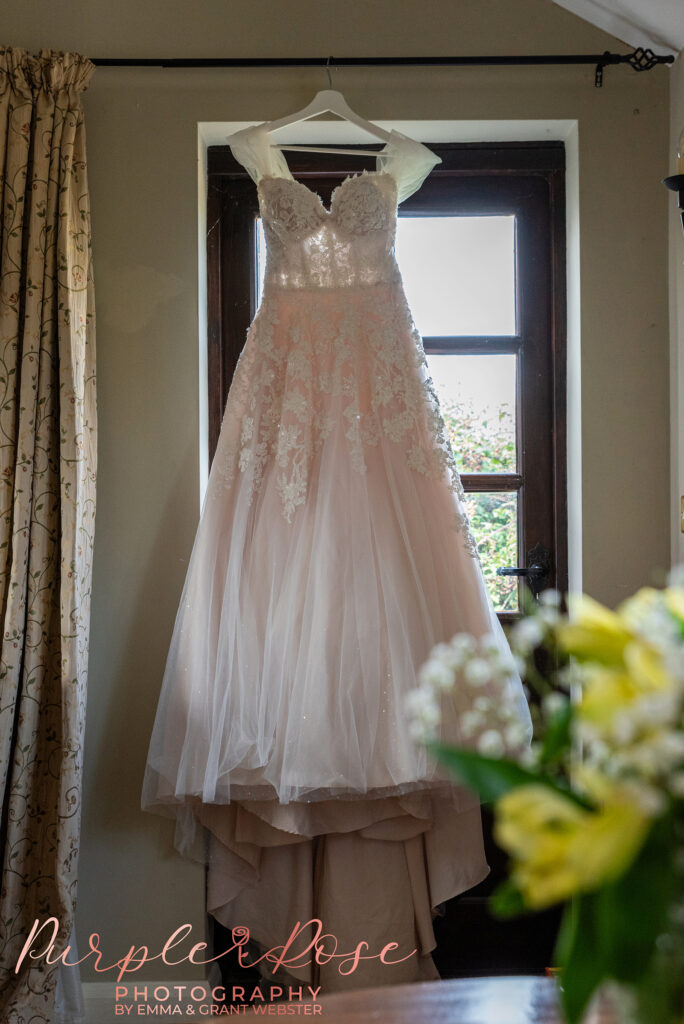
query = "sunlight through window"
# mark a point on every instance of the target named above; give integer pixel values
(459, 273)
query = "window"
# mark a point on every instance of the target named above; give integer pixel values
(481, 250)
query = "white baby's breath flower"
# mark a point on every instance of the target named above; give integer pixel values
(526, 634)
(548, 615)
(508, 709)
(471, 722)
(597, 749)
(441, 651)
(450, 657)
(483, 704)
(489, 645)
(420, 732)
(659, 709)
(585, 732)
(434, 673)
(591, 740)
(673, 661)
(660, 629)
(529, 757)
(490, 744)
(623, 727)
(514, 734)
(424, 713)
(648, 615)
(550, 598)
(502, 670)
(421, 702)
(643, 759)
(553, 703)
(613, 767)
(510, 663)
(571, 675)
(670, 746)
(477, 672)
(651, 800)
(462, 644)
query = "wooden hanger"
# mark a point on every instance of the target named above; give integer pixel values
(329, 101)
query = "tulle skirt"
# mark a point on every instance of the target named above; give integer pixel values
(306, 612)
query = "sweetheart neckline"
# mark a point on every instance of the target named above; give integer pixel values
(326, 210)
(265, 129)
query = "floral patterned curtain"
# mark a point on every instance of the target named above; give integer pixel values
(47, 504)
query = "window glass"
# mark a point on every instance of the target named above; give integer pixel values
(459, 273)
(477, 398)
(494, 521)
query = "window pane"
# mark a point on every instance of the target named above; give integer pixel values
(477, 397)
(494, 521)
(459, 273)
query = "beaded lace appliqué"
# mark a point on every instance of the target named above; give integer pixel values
(332, 344)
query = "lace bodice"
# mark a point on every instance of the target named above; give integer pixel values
(351, 243)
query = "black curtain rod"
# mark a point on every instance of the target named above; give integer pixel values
(641, 59)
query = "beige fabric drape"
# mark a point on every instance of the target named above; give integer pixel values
(47, 503)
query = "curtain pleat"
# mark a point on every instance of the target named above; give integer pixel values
(47, 506)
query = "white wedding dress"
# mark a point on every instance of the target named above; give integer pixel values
(332, 553)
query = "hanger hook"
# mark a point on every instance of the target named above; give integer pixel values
(327, 68)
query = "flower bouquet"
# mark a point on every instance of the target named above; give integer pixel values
(591, 814)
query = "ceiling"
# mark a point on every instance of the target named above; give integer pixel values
(656, 24)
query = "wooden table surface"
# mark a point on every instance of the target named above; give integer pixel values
(501, 1000)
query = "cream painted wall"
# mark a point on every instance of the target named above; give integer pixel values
(676, 316)
(142, 147)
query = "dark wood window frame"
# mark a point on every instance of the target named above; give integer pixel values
(527, 179)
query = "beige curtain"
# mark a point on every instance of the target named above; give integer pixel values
(47, 504)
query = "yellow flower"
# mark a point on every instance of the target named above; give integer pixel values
(620, 668)
(534, 825)
(645, 666)
(559, 848)
(593, 633)
(608, 692)
(605, 692)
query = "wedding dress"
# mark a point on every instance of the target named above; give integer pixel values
(333, 552)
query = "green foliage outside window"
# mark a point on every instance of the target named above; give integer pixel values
(487, 445)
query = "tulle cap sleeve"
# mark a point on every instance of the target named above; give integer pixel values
(408, 161)
(251, 147)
